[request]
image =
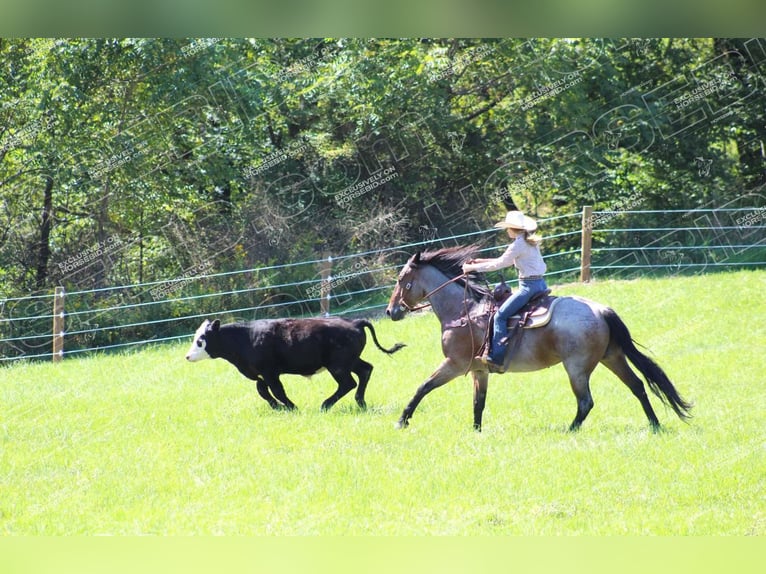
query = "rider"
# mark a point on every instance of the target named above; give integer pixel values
(524, 254)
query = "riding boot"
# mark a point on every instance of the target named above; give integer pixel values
(499, 342)
(494, 355)
(507, 339)
(497, 356)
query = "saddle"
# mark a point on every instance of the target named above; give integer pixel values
(536, 313)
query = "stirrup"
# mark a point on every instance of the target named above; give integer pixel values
(491, 365)
(494, 367)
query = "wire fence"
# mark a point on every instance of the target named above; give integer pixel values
(623, 244)
(636, 243)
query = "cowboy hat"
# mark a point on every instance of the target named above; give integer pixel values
(517, 220)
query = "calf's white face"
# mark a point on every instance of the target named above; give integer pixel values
(197, 350)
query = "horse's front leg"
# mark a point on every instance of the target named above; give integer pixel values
(444, 373)
(480, 380)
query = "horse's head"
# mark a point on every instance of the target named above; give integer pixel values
(408, 291)
(415, 283)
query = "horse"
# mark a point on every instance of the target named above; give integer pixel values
(580, 334)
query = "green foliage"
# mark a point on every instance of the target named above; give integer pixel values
(240, 153)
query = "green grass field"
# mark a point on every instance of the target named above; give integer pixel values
(146, 443)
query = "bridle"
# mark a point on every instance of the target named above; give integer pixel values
(427, 295)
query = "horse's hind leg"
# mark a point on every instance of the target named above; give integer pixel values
(579, 379)
(615, 362)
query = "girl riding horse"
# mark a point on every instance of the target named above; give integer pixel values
(524, 254)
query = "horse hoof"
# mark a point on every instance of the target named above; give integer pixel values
(400, 424)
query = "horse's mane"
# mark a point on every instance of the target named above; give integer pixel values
(449, 260)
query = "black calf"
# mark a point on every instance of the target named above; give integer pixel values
(263, 350)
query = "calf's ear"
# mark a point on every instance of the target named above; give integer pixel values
(215, 325)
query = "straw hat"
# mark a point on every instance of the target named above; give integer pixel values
(517, 220)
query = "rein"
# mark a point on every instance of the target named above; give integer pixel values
(427, 295)
(465, 304)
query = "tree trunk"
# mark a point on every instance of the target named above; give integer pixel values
(751, 140)
(44, 248)
(102, 218)
(141, 245)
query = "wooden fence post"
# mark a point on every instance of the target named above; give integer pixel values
(58, 324)
(324, 297)
(587, 238)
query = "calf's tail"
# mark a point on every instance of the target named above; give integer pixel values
(394, 349)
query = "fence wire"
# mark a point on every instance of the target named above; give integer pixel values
(625, 244)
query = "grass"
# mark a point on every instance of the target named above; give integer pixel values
(145, 443)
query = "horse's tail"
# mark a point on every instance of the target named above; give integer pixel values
(394, 349)
(656, 378)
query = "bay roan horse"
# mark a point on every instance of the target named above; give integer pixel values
(581, 334)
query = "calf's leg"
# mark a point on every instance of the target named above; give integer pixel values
(275, 386)
(345, 384)
(363, 370)
(263, 390)
(262, 385)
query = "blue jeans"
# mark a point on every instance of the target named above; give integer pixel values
(511, 306)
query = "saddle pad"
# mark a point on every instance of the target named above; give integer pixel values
(539, 316)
